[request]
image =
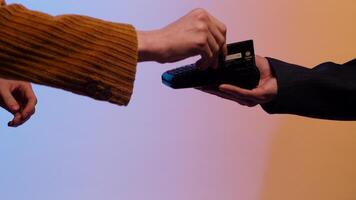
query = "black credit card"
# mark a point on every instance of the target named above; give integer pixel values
(238, 69)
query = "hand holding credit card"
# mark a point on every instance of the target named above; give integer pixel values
(238, 69)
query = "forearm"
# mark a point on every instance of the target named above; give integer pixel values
(80, 54)
(327, 91)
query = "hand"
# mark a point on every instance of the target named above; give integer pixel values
(18, 98)
(265, 92)
(197, 33)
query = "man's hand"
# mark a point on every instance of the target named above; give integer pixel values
(18, 98)
(197, 33)
(265, 92)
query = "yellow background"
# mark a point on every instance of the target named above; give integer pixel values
(310, 159)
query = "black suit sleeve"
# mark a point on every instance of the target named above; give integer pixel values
(327, 91)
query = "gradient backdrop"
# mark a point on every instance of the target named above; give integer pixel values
(186, 145)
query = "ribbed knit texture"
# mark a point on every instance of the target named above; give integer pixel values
(80, 54)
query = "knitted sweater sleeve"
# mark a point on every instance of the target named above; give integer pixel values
(80, 54)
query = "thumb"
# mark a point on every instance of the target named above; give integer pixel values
(10, 102)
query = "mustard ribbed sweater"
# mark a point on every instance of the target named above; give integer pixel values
(80, 54)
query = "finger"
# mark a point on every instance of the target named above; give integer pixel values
(9, 101)
(219, 24)
(228, 96)
(237, 90)
(23, 120)
(206, 56)
(219, 37)
(216, 42)
(241, 100)
(245, 102)
(214, 46)
(225, 50)
(31, 102)
(256, 95)
(224, 95)
(222, 36)
(16, 120)
(213, 90)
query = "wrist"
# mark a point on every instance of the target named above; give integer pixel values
(148, 45)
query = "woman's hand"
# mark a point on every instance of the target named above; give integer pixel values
(18, 98)
(265, 92)
(197, 33)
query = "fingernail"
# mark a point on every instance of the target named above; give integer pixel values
(15, 107)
